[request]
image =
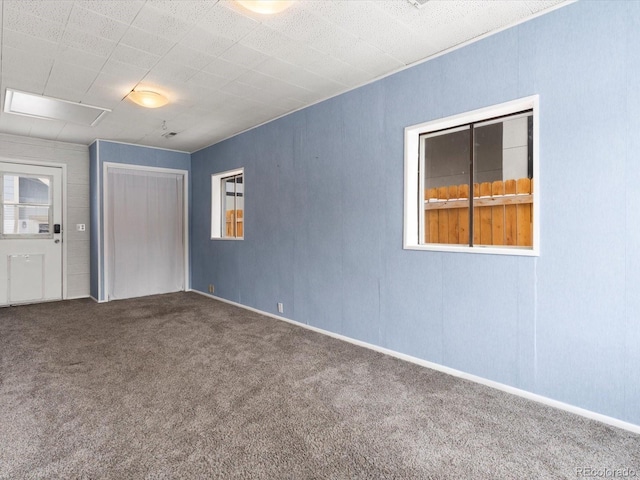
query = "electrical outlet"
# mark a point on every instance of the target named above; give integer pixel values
(211, 289)
(80, 227)
(280, 307)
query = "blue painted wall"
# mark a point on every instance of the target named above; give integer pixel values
(324, 209)
(103, 151)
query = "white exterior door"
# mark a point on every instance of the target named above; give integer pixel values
(30, 233)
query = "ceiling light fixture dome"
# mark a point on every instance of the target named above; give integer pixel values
(266, 7)
(148, 98)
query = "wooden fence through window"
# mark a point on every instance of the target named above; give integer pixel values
(234, 217)
(502, 213)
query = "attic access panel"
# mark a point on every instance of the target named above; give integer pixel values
(40, 106)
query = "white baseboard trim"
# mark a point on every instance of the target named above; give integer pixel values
(614, 422)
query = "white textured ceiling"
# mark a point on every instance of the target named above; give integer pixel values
(223, 68)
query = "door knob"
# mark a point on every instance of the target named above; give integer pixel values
(57, 240)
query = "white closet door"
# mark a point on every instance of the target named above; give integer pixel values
(145, 233)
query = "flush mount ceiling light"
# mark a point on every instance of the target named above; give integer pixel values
(266, 7)
(39, 106)
(148, 99)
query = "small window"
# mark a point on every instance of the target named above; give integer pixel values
(475, 182)
(227, 205)
(25, 206)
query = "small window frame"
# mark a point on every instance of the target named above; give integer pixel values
(217, 205)
(413, 183)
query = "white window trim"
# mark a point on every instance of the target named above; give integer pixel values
(412, 195)
(216, 205)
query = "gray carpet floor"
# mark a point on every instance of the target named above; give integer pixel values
(181, 386)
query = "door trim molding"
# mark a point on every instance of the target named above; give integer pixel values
(63, 167)
(103, 283)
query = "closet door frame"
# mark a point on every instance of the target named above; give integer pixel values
(105, 216)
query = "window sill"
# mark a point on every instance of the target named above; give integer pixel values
(517, 251)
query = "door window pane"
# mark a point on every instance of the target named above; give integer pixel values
(25, 220)
(26, 205)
